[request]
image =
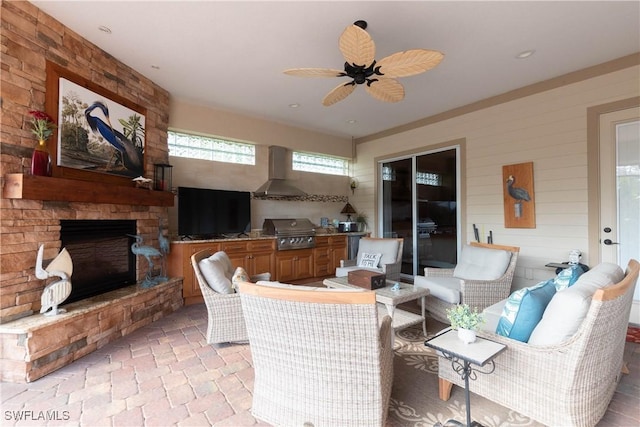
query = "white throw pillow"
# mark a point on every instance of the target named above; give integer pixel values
(478, 263)
(369, 260)
(567, 310)
(214, 273)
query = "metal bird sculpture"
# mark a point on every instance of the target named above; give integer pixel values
(165, 248)
(129, 154)
(148, 252)
(57, 292)
(517, 193)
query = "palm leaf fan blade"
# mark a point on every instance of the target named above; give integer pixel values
(313, 72)
(338, 94)
(387, 90)
(356, 46)
(409, 62)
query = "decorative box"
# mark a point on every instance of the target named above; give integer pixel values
(367, 279)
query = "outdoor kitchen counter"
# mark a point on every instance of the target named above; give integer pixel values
(226, 239)
(259, 255)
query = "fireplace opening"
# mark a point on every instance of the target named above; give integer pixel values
(101, 255)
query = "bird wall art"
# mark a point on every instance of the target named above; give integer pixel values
(519, 204)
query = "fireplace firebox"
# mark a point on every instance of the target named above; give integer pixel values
(101, 254)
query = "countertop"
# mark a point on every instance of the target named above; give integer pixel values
(230, 239)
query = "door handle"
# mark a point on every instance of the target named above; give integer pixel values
(609, 242)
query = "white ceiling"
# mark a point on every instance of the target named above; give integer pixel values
(231, 54)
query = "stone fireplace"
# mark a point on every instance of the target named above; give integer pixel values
(101, 255)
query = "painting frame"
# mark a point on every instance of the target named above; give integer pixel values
(519, 196)
(106, 163)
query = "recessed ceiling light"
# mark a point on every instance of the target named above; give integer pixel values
(525, 54)
(104, 29)
(352, 121)
(294, 105)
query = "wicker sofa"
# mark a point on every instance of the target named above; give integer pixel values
(569, 383)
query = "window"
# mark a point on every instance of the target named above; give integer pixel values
(320, 164)
(207, 148)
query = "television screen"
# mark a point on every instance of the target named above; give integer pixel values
(208, 213)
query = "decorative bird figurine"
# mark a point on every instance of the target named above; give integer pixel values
(517, 193)
(148, 252)
(131, 157)
(57, 292)
(165, 248)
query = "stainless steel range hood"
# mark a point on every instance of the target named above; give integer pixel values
(278, 185)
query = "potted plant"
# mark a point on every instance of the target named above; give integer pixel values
(466, 321)
(361, 220)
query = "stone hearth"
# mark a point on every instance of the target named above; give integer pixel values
(37, 345)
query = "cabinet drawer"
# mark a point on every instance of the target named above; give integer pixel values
(261, 245)
(234, 247)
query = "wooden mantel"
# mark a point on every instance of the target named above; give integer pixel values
(20, 186)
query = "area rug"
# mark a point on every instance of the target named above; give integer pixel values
(414, 397)
(633, 334)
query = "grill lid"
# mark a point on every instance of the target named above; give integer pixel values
(288, 227)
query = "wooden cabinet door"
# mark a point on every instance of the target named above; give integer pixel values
(294, 265)
(304, 264)
(262, 263)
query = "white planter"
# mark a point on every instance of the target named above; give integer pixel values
(467, 336)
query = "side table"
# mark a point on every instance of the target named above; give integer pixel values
(462, 356)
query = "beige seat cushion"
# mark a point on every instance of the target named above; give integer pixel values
(444, 288)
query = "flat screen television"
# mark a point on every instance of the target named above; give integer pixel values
(209, 213)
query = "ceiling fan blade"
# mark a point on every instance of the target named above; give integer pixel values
(387, 90)
(356, 46)
(409, 62)
(338, 94)
(314, 72)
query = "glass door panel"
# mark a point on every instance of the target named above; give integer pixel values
(419, 204)
(436, 210)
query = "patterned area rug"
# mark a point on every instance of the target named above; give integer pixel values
(414, 398)
(633, 334)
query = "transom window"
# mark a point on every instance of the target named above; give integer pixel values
(208, 148)
(320, 164)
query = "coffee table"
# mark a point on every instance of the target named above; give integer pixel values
(390, 299)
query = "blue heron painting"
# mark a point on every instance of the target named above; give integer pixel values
(99, 134)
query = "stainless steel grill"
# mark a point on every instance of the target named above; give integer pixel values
(290, 234)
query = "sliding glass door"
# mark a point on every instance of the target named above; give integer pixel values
(419, 200)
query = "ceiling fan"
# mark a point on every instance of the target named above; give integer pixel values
(359, 50)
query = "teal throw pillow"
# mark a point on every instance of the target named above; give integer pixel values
(523, 310)
(568, 277)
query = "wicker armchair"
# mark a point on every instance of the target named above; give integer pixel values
(473, 292)
(390, 262)
(225, 320)
(565, 384)
(320, 356)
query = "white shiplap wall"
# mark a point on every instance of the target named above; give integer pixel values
(548, 129)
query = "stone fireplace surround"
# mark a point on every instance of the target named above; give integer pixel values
(34, 345)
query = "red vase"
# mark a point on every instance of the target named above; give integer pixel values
(40, 160)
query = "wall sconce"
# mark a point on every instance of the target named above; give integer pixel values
(353, 185)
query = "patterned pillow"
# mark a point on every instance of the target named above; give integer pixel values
(567, 277)
(524, 309)
(370, 260)
(240, 275)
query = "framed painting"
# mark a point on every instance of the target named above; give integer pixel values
(100, 135)
(519, 196)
